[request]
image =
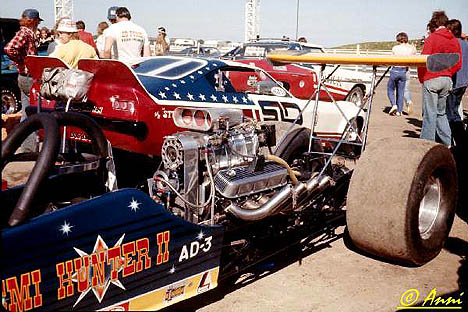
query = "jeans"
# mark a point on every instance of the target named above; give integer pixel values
(453, 104)
(435, 92)
(29, 145)
(396, 82)
(407, 92)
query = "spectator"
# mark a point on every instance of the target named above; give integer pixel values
(130, 39)
(112, 18)
(398, 76)
(302, 39)
(44, 39)
(161, 46)
(84, 35)
(100, 36)
(72, 48)
(459, 87)
(25, 43)
(436, 86)
(56, 42)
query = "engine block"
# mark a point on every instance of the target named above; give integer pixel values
(242, 181)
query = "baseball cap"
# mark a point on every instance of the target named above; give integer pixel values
(32, 14)
(111, 13)
(67, 25)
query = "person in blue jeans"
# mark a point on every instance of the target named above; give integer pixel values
(397, 80)
(437, 85)
(460, 83)
(407, 96)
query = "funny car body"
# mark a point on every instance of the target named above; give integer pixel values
(226, 195)
(301, 79)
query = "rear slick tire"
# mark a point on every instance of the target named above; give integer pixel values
(402, 199)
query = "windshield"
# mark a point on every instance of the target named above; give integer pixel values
(168, 67)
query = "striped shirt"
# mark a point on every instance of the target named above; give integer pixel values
(23, 44)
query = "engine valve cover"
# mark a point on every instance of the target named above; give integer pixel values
(241, 181)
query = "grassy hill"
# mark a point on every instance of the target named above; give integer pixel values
(382, 45)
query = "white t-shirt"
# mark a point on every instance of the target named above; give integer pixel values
(129, 40)
(404, 49)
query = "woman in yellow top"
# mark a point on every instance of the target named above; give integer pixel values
(72, 48)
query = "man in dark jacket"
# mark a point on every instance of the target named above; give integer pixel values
(436, 86)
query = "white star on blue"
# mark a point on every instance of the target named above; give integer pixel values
(176, 95)
(134, 205)
(202, 97)
(190, 96)
(162, 95)
(214, 98)
(66, 228)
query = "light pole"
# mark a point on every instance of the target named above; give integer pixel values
(297, 18)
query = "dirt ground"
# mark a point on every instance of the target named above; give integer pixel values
(329, 276)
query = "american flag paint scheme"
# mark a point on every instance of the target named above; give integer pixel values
(134, 104)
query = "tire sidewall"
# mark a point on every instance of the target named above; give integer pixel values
(439, 165)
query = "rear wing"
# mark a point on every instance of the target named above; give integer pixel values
(434, 63)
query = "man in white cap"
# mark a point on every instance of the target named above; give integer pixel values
(130, 39)
(72, 48)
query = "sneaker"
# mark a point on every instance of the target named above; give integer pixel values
(393, 110)
(409, 108)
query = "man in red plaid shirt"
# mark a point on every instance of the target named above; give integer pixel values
(25, 43)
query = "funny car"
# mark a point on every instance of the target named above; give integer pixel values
(135, 105)
(227, 193)
(301, 78)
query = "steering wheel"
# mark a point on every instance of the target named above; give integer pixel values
(45, 160)
(50, 150)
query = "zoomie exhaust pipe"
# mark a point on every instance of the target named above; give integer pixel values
(271, 207)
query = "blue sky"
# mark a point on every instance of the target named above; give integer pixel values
(325, 22)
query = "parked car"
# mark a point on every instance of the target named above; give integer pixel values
(11, 95)
(199, 51)
(301, 79)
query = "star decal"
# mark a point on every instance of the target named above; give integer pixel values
(162, 95)
(235, 99)
(214, 98)
(207, 68)
(190, 96)
(172, 270)
(66, 228)
(200, 235)
(225, 99)
(174, 85)
(202, 97)
(182, 81)
(176, 95)
(244, 99)
(167, 88)
(215, 65)
(192, 77)
(100, 289)
(200, 72)
(134, 205)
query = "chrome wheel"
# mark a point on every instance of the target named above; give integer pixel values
(9, 102)
(356, 96)
(429, 207)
